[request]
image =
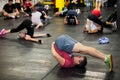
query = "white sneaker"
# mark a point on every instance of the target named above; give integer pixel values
(114, 26)
(78, 11)
(12, 16)
(18, 16)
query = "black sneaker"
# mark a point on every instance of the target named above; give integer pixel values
(40, 41)
(48, 35)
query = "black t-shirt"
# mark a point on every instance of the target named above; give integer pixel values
(9, 8)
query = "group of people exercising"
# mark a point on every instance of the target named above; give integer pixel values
(64, 46)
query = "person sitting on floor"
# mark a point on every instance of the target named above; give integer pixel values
(28, 7)
(10, 11)
(19, 4)
(29, 35)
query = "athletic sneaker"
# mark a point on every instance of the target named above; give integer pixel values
(114, 26)
(40, 41)
(2, 33)
(109, 62)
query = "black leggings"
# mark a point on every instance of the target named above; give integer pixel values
(95, 19)
(26, 24)
(112, 17)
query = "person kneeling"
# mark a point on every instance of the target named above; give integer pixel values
(71, 18)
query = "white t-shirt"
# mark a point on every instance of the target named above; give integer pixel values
(92, 25)
(36, 17)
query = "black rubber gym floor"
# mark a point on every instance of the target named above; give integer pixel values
(22, 60)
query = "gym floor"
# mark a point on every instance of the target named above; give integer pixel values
(23, 60)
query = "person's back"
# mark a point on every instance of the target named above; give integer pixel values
(72, 12)
(36, 17)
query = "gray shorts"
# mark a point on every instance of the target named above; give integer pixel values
(65, 43)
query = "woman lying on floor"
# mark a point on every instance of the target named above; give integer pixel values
(29, 35)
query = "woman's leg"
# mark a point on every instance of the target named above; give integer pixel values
(41, 35)
(26, 23)
(29, 38)
(40, 24)
(79, 48)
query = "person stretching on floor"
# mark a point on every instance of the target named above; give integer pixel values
(71, 18)
(29, 36)
(64, 46)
